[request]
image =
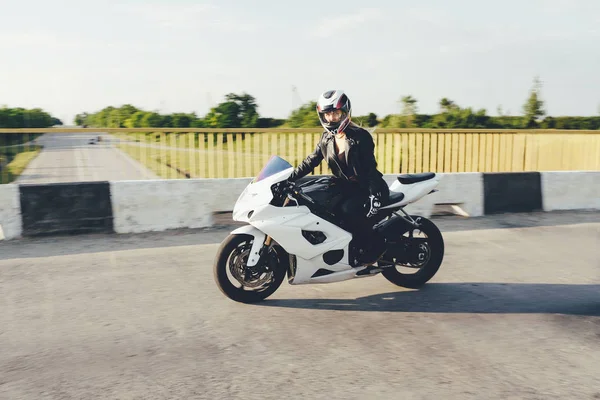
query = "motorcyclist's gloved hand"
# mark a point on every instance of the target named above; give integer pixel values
(373, 205)
(283, 188)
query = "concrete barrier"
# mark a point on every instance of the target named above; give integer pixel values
(226, 192)
(157, 205)
(10, 212)
(571, 190)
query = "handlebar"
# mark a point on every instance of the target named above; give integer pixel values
(305, 197)
(290, 189)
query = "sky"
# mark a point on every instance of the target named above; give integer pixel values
(69, 57)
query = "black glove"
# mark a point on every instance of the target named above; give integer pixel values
(283, 188)
(373, 204)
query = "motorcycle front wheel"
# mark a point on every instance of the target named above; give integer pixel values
(246, 284)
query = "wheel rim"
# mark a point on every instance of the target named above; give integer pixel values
(253, 279)
(419, 249)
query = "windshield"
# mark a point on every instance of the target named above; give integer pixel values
(274, 165)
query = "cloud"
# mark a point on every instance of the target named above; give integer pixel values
(332, 26)
(41, 39)
(427, 14)
(558, 7)
(45, 40)
(186, 16)
(168, 14)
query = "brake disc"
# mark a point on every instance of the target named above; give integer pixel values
(238, 267)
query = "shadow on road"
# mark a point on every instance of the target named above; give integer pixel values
(471, 297)
(517, 220)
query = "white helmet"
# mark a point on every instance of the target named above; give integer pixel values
(334, 100)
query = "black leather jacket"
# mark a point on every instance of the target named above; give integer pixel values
(360, 160)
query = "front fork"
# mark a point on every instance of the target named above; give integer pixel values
(260, 246)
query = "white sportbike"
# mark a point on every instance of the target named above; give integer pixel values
(296, 233)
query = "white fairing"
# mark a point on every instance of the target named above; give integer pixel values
(259, 239)
(285, 225)
(257, 194)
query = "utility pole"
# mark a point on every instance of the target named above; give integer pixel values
(296, 100)
(209, 101)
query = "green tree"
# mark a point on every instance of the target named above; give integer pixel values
(305, 117)
(407, 116)
(181, 120)
(81, 119)
(119, 117)
(247, 112)
(225, 115)
(238, 111)
(25, 118)
(135, 120)
(152, 119)
(453, 116)
(368, 120)
(533, 108)
(447, 105)
(372, 119)
(409, 106)
(114, 120)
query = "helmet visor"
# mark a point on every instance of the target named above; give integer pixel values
(333, 116)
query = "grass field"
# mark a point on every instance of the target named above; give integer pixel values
(233, 155)
(205, 156)
(14, 160)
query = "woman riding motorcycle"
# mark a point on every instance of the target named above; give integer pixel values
(349, 152)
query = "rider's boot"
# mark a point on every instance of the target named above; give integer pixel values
(369, 250)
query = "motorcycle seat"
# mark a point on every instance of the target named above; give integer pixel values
(407, 179)
(395, 197)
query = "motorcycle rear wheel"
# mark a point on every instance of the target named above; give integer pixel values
(433, 252)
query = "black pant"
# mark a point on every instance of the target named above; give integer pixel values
(353, 209)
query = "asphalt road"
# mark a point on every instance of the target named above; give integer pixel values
(514, 313)
(69, 157)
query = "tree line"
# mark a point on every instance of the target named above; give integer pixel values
(241, 111)
(26, 118)
(451, 115)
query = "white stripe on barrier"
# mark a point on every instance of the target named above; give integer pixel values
(10, 211)
(158, 205)
(571, 190)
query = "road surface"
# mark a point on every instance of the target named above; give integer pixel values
(514, 313)
(69, 157)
